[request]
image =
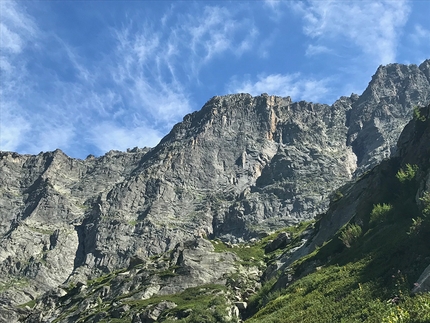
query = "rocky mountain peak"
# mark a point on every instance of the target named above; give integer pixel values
(384, 108)
(238, 169)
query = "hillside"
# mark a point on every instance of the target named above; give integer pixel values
(376, 267)
(216, 223)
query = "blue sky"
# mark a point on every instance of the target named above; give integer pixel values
(91, 76)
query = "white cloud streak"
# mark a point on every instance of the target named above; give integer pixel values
(372, 26)
(316, 49)
(132, 96)
(108, 135)
(215, 32)
(17, 27)
(294, 85)
(17, 31)
(421, 34)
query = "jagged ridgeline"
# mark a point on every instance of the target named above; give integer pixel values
(202, 227)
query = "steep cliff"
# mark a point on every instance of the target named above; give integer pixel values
(369, 258)
(236, 170)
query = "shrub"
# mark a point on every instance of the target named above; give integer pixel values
(350, 234)
(397, 315)
(426, 204)
(418, 116)
(336, 196)
(379, 212)
(408, 174)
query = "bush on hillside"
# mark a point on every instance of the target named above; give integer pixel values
(379, 212)
(350, 234)
(407, 174)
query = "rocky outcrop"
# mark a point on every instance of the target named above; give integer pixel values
(190, 264)
(357, 199)
(279, 242)
(237, 169)
(384, 108)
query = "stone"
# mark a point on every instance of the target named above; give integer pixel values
(119, 311)
(240, 168)
(241, 305)
(279, 242)
(423, 283)
(152, 314)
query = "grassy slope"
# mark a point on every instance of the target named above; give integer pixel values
(371, 280)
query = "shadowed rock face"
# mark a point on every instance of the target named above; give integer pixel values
(238, 168)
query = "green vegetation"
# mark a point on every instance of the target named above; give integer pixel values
(407, 174)
(365, 273)
(132, 223)
(380, 212)
(13, 282)
(422, 222)
(417, 114)
(425, 200)
(29, 304)
(253, 254)
(41, 230)
(250, 255)
(99, 281)
(336, 196)
(350, 234)
(170, 272)
(204, 303)
(340, 294)
(264, 295)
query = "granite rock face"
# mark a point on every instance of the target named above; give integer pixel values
(237, 169)
(383, 110)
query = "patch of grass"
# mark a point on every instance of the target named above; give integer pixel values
(369, 281)
(13, 282)
(425, 200)
(101, 280)
(206, 303)
(132, 223)
(41, 230)
(253, 254)
(29, 304)
(407, 174)
(350, 234)
(170, 272)
(417, 114)
(342, 294)
(380, 212)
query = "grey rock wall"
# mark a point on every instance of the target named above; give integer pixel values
(240, 167)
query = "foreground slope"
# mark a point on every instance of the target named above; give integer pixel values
(376, 267)
(239, 168)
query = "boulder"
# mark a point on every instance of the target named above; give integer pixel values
(279, 242)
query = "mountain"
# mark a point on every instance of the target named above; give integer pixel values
(122, 235)
(369, 258)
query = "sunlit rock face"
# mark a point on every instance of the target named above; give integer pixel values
(240, 167)
(380, 113)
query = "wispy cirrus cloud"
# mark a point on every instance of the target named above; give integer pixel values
(217, 31)
(294, 85)
(421, 36)
(17, 28)
(120, 75)
(312, 50)
(417, 43)
(373, 27)
(17, 31)
(154, 67)
(130, 95)
(108, 135)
